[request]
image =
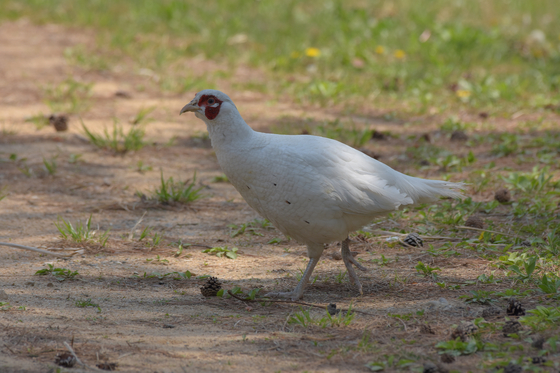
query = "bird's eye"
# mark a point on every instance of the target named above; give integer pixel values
(211, 101)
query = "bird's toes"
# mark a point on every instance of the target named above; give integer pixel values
(358, 265)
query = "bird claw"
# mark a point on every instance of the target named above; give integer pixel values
(356, 264)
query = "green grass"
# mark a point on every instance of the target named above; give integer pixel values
(117, 140)
(171, 191)
(70, 96)
(415, 55)
(80, 232)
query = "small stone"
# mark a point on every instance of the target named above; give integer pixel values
(511, 327)
(331, 309)
(468, 328)
(426, 329)
(122, 94)
(491, 311)
(447, 358)
(3, 295)
(502, 195)
(60, 122)
(538, 341)
(458, 333)
(459, 135)
(515, 308)
(65, 359)
(107, 366)
(430, 367)
(513, 368)
(475, 222)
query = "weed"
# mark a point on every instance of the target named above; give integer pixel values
(541, 318)
(3, 192)
(142, 115)
(390, 361)
(81, 233)
(40, 121)
(117, 140)
(478, 296)
(157, 259)
(70, 96)
(427, 270)
(87, 303)
(141, 167)
(50, 166)
(304, 319)
(220, 179)
(182, 192)
(340, 277)
(145, 232)
(221, 251)
(457, 347)
(74, 158)
(61, 274)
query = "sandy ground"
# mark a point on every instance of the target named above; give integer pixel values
(156, 324)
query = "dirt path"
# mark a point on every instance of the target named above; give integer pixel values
(160, 324)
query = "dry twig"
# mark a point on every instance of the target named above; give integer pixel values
(62, 255)
(293, 302)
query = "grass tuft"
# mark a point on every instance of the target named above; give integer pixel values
(171, 191)
(117, 140)
(80, 233)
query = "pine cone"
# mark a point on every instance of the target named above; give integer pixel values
(538, 341)
(211, 287)
(491, 311)
(60, 122)
(515, 308)
(502, 195)
(413, 239)
(65, 359)
(475, 222)
(447, 358)
(513, 368)
(459, 135)
(426, 329)
(511, 327)
(331, 309)
(538, 360)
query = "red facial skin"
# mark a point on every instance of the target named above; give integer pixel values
(211, 110)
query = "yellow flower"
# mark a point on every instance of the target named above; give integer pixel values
(399, 53)
(294, 54)
(312, 52)
(463, 93)
(379, 49)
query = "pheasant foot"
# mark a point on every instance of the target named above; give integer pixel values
(348, 261)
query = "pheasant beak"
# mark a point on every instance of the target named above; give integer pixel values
(191, 106)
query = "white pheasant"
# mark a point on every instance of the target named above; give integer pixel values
(313, 189)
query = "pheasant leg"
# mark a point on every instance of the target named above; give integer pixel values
(297, 293)
(348, 261)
